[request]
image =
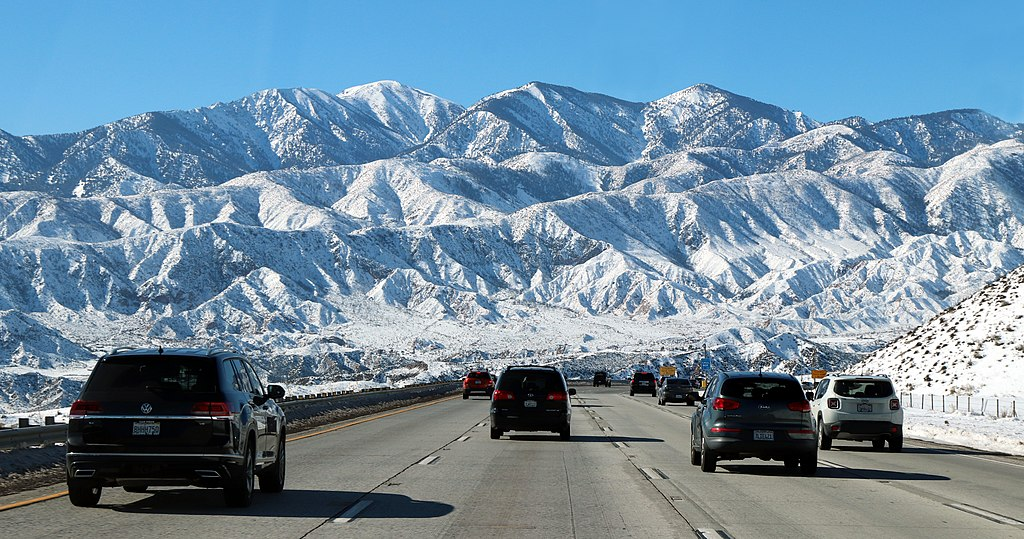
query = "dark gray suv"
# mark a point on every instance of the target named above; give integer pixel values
(531, 398)
(149, 417)
(754, 414)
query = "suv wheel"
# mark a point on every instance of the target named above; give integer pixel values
(465, 395)
(878, 444)
(708, 458)
(272, 479)
(495, 433)
(824, 440)
(239, 493)
(137, 489)
(564, 434)
(694, 456)
(84, 494)
(896, 443)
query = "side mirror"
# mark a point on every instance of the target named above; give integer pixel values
(275, 391)
(572, 391)
(809, 395)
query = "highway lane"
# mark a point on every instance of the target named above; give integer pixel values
(433, 471)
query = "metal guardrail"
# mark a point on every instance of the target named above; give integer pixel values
(295, 407)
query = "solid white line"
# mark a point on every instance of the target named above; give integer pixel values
(463, 439)
(429, 460)
(708, 533)
(482, 425)
(986, 514)
(350, 515)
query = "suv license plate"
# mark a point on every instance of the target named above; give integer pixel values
(864, 407)
(146, 428)
(529, 404)
(764, 436)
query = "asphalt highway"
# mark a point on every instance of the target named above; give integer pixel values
(432, 471)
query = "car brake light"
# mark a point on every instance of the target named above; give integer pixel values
(500, 395)
(725, 404)
(80, 408)
(894, 404)
(558, 396)
(800, 406)
(833, 404)
(211, 409)
(724, 429)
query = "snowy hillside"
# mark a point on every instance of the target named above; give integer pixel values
(976, 347)
(385, 235)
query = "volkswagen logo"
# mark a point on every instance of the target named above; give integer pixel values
(146, 407)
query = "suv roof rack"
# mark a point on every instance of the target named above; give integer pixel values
(119, 349)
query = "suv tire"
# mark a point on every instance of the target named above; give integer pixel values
(708, 458)
(272, 479)
(694, 456)
(809, 464)
(896, 443)
(495, 433)
(465, 395)
(564, 434)
(878, 444)
(136, 489)
(239, 492)
(631, 392)
(83, 493)
(824, 440)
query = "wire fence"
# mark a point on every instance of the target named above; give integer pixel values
(970, 404)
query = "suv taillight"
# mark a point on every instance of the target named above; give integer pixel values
(725, 404)
(800, 406)
(211, 409)
(80, 408)
(894, 404)
(558, 396)
(500, 395)
(833, 403)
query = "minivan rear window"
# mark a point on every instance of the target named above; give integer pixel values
(762, 388)
(154, 373)
(863, 388)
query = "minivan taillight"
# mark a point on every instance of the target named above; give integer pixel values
(80, 408)
(894, 404)
(211, 409)
(558, 396)
(833, 403)
(500, 395)
(725, 404)
(800, 406)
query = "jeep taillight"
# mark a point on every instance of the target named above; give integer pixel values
(833, 403)
(81, 408)
(725, 404)
(894, 404)
(211, 409)
(558, 396)
(800, 406)
(500, 395)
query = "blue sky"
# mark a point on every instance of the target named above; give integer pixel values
(70, 65)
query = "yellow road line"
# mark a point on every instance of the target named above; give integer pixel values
(49, 497)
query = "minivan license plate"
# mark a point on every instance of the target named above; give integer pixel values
(529, 404)
(764, 435)
(146, 428)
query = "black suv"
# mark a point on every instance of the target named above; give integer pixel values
(531, 398)
(601, 379)
(643, 382)
(754, 414)
(149, 417)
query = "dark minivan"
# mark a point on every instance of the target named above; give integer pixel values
(149, 417)
(754, 414)
(531, 398)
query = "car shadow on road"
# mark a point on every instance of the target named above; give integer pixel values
(834, 473)
(322, 504)
(584, 438)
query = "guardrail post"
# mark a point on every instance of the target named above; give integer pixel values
(997, 409)
(943, 403)
(932, 399)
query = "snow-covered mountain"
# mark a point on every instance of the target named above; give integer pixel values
(386, 234)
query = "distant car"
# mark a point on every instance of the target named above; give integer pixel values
(477, 382)
(754, 414)
(150, 417)
(643, 382)
(858, 408)
(531, 398)
(677, 390)
(601, 379)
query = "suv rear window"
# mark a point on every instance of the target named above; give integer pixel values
(677, 382)
(479, 374)
(531, 381)
(154, 373)
(863, 388)
(644, 376)
(762, 388)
